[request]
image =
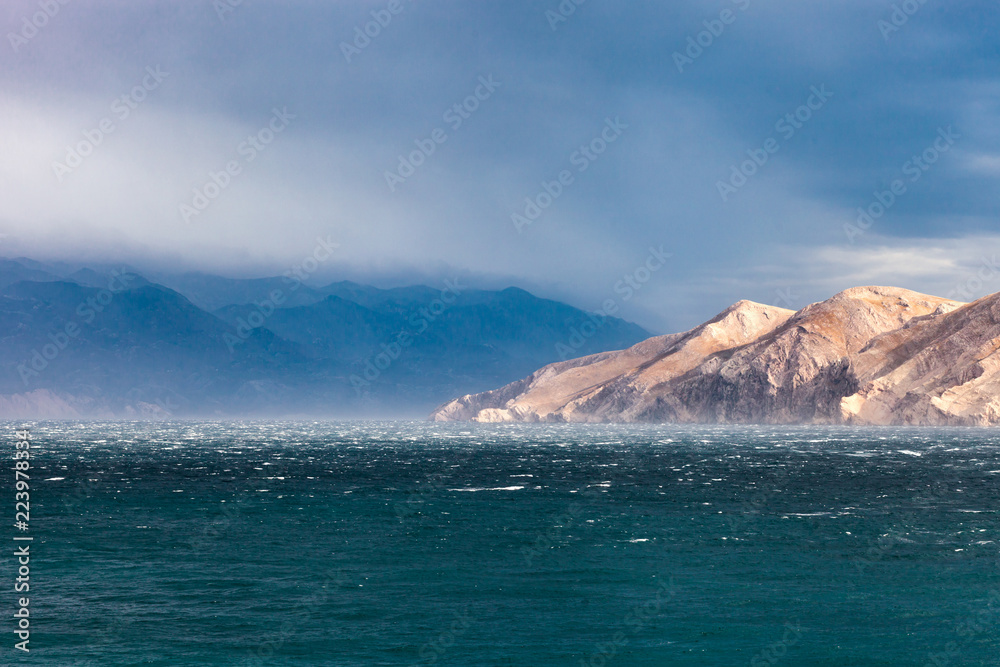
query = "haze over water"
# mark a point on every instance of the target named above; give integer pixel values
(402, 543)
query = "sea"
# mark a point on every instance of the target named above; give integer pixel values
(418, 543)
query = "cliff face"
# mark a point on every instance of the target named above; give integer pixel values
(869, 355)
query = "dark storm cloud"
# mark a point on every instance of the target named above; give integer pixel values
(687, 121)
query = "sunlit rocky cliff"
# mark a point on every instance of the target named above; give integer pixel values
(869, 355)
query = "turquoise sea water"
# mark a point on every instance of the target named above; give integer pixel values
(425, 544)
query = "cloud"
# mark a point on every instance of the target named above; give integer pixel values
(326, 173)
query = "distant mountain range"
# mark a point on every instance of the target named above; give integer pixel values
(869, 355)
(106, 342)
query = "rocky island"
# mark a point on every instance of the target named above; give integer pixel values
(868, 355)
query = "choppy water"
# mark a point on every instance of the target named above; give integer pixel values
(416, 543)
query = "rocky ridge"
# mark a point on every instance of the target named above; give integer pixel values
(868, 355)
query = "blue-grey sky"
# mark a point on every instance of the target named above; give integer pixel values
(665, 98)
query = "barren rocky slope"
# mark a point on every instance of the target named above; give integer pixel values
(869, 355)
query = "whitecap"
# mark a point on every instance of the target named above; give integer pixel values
(494, 488)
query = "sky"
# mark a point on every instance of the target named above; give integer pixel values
(672, 157)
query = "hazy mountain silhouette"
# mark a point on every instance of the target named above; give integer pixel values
(99, 342)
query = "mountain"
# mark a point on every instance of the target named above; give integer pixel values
(13, 271)
(140, 350)
(211, 293)
(868, 355)
(79, 341)
(436, 342)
